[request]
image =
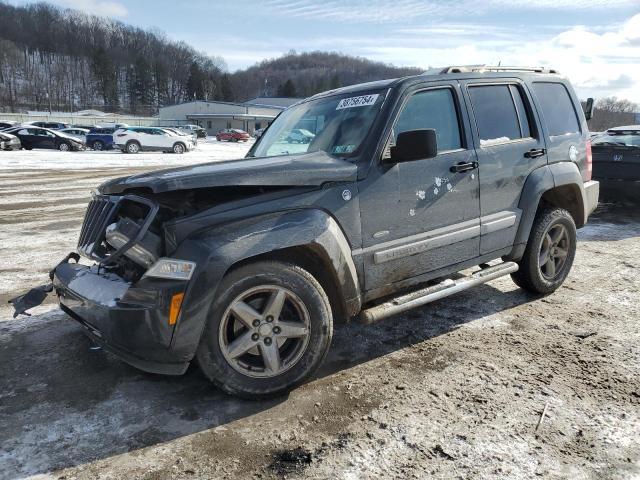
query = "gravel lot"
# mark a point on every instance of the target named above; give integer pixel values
(453, 390)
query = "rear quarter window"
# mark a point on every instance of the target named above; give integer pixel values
(557, 107)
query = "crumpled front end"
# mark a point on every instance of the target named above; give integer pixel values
(130, 300)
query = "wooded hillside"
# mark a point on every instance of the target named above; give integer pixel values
(64, 60)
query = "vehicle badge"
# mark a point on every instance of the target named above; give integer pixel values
(346, 195)
(573, 153)
(617, 157)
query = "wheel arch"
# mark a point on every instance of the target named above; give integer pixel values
(310, 238)
(559, 185)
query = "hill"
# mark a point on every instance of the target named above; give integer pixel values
(65, 60)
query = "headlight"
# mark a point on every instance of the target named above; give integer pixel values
(171, 269)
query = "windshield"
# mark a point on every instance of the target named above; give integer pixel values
(627, 140)
(336, 125)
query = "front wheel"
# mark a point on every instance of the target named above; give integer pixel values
(178, 148)
(268, 330)
(98, 145)
(550, 252)
(64, 147)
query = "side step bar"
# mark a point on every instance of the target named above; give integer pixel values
(435, 292)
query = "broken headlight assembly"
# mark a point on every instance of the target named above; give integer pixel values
(145, 252)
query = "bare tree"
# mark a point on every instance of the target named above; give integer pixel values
(612, 112)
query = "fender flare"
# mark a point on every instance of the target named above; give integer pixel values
(539, 182)
(218, 249)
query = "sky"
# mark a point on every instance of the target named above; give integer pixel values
(596, 43)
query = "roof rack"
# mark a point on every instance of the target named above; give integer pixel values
(490, 68)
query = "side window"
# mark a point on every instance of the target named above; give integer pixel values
(432, 109)
(500, 113)
(557, 108)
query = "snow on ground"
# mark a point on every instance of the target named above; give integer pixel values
(43, 196)
(207, 150)
(454, 389)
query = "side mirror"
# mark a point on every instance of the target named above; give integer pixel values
(588, 109)
(415, 145)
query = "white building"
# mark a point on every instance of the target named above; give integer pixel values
(215, 116)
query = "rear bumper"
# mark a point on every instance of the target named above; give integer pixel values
(131, 321)
(591, 194)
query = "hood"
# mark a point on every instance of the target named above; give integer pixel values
(311, 169)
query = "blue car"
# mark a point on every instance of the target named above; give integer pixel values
(100, 138)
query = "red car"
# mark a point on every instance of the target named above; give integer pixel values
(233, 135)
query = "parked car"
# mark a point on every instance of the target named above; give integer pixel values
(182, 133)
(8, 124)
(299, 135)
(37, 137)
(77, 133)
(258, 133)
(49, 125)
(246, 265)
(9, 142)
(616, 161)
(137, 139)
(100, 138)
(197, 129)
(232, 135)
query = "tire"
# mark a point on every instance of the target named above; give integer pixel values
(179, 148)
(64, 147)
(550, 252)
(132, 147)
(307, 315)
(98, 145)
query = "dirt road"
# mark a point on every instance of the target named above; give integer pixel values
(453, 390)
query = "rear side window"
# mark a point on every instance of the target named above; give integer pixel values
(500, 113)
(557, 108)
(432, 109)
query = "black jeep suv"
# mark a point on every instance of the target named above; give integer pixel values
(246, 264)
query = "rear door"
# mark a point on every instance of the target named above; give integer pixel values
(509, 147)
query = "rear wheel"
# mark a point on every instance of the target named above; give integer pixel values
(98, 145)
(268, 330)
(133, 147)
(550, 252)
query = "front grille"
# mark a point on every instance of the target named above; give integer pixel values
(100, 213)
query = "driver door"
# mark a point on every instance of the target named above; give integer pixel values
(423, 215)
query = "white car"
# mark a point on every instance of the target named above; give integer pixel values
(182, 133)
(300, 135)
(138, 139)
(77, 133)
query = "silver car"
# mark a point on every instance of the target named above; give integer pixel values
(9, 142)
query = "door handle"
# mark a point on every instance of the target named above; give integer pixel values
(535, 153)
(463, 167)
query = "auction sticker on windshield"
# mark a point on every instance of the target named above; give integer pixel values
(361, 101)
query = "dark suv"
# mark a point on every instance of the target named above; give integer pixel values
(246, 264)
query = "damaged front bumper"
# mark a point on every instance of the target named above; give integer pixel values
(129, 320)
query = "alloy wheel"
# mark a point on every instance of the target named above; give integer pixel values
(265, 331)
(554, 251)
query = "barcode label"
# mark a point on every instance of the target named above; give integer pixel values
(363, 101)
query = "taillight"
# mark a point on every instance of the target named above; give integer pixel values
(589, 160)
